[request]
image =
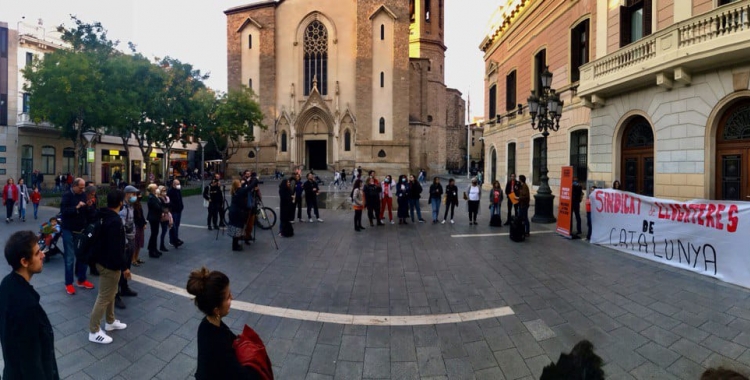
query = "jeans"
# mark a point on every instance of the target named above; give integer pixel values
(21, 211)
(164, 230)
(495, 208)
(524, 215)
(9, 203)
(105, 301)
(435, 203)
(312, 204)
(577, 214)
(69, 255)
(414, 203)
(36, 209)
(588, 222)
(174, 233)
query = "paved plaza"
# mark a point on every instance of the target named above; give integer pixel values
(436, 292)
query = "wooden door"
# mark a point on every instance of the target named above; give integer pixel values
(637, 160)
(733, 154)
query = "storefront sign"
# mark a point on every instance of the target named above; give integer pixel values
(566, 200)
(703, 236)
(90, 154)
(114, 152)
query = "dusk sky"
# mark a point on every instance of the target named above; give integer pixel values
(195, 32)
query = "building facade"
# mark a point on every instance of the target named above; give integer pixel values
(345, 84)
(26, 146)
(525, 38)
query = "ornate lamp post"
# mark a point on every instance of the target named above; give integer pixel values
(203, 163)
(545, 111)
(257, 153)
(89, 135)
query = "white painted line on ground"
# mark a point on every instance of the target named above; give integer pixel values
(343, 319)
(192, 226)
(498, 234)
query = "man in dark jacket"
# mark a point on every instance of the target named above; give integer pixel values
(512, 186)
(372, 199)
(215, 197)
(175, 207)
(25, 331)
(415, 191)
(311, 197)
(111, 261)
(76, 211)
(577, 198)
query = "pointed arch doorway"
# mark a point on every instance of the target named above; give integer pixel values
(637, 158)
(733, 153)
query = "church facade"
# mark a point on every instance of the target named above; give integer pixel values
(346, 83)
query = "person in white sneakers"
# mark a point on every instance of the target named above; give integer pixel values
(451, 199)
(111, 260)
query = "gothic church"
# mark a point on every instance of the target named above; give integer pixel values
(345, 83)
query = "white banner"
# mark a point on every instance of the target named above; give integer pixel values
(704, 236)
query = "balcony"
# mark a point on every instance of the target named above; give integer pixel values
(714, 39)
(24, 120)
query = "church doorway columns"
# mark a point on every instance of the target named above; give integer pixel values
(314, 141)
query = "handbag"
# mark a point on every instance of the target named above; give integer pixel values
(466, 197)
(205, 203)
(251, 352)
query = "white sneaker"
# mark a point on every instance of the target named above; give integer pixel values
(320, 220)
(292, 222)
(100, 337)
(116, 325)
(301, 221)
(310, 220)
(443, 222)
(451, 221)
(392, 222)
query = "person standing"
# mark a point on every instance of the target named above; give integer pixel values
(26, 334)
(238, 213)
(23, 199)
(76, 211)
(386, 202)
(474, 193)
(402, 195)
(176, 206)
(217, 358)
(372, 200)
(524, 201)
(253, 196)
(10, 197)
(298, 190)
(576, 204)
(58, 182)
(140, 230)
(343, 176)
(436, 195)
(415, 192)
(451, 198)
(154, 219)
(358, 203)
(337, 180)
(112, 261)
(166, 215)
(311, 197)
(588, 212)
(496, 200)
(35, 197)
(286, 209)
(127, 214)
(511, 187)
(39, 179)
(212, 193)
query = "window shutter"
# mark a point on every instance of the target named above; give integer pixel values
(624, 26)
(575, 53)
(647, 15)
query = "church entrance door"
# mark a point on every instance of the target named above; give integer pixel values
(316, 154)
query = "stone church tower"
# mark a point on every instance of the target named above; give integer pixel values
(345, 83)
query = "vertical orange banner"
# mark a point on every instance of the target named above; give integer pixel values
(566, 201)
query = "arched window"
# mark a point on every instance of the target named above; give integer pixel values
(637, 157)
(382, 79)
(347, 141)
(316, 57)
(48, 160)
(283, 141)
(250, 83)
(382, 125)
(427, 10)
(382, 32)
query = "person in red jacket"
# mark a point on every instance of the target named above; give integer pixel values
(36, 197)
(10, 197)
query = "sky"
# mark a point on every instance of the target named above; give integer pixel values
(195, 32)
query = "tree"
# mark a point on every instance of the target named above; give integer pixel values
(227, 120)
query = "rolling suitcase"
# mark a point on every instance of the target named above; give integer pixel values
(517, 230)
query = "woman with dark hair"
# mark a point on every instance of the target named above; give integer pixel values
(216, 356)
(451, 199)
(238, 214)
(436, 196)
(358, 204)
(10, 197)
(154, 220)
(402, 194)
(286, 209)
(616, 185)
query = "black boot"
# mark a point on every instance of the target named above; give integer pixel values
(209, 227)
(163, 248)
(154, 254)
(125, 291)
(236, 244)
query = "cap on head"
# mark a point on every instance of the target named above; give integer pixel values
(131, 190)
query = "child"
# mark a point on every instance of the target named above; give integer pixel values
(588, 212)
(50, 230)
(36, 196)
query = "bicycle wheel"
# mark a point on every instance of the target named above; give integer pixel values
(224, 214)
(265, 219)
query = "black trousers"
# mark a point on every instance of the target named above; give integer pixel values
(451, 206)
(154, 232)
(9, 203)
(473, 210)
(213, 214)
(312, 204)
(511, 207)
(373, 211)
(577, 215)
(357, 219)
(298, 205)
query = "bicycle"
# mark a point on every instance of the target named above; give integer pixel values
(265, 217)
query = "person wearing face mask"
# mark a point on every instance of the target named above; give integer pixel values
(176, 207)
(127, 214)
(473, 195)
(154, 219)
(111, 258)
(402, 195)
(386, 201)
(577, 198)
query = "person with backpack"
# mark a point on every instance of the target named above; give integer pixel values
(111, 258)
(213, 194)
(402, 198)
(512, 186)
(76, 210)
(415, 191)
(451, 198)
(496, 203)
(436, 195)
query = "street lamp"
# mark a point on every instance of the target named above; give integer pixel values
(545, 111)
(89, 135)
(203, 163)
(257, 153)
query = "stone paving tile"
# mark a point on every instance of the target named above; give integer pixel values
(657, 354)
(650, 371)
(489, 374)
(685, 369)
(430, 361)
(377, 362)
(404, 370)
(512, 364)
(459, 369)
(480, 355)
(723, 347)
(660, 336)
(691, 350)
